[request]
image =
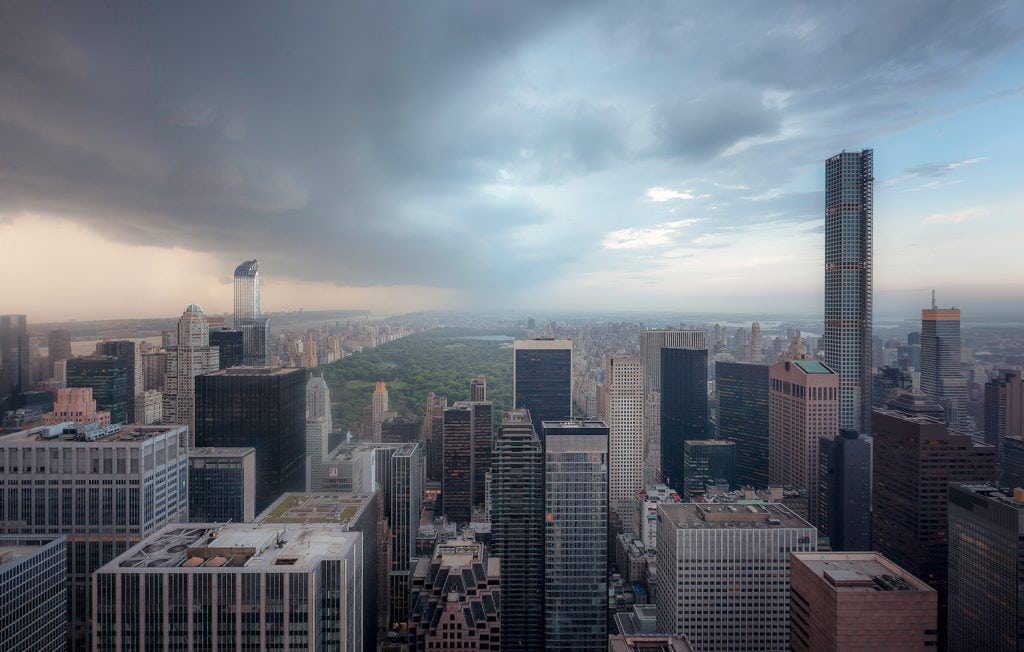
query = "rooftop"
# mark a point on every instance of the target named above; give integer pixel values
(1010, 497)
(860, 572)
(15, 553)
(691, 516)
(810, 366)
(239, 451)
(573, 424)
(322, 507)
(543, 343)
(347, 450)
(68, 434)
(256, 371)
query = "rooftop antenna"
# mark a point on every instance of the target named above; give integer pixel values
(933, 300)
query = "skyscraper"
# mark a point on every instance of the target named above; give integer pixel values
(14, 360)
(255, 328)
(802, 409)
(576, 536)
(623, 382)
(986, 568)
(221, 485)
(230, 345)
(941, 377)
(468, 434)
(193, 356)
(1004, 409)
(742, 398)
(844, 490)
(34, 586)
(849, 216)
(379, 409)
(651, 343)
(261, 407)
(756, 354)
(128, 351)
(478, 388)
(684, 407)
(108, 378)
(59, 345)
(542, 379)
(433, 425)
(517, 530)
(318, 427)
(708, 461)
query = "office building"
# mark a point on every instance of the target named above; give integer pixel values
(128, 351)
(648, 643)
(34, 586)
(1004, 408)
(14, 360)
(1012, 468)
(684, 407)
(478, 388)
(154, 370)
(887, 383)
(403, 490)
(456, 599)
(379, 409)
(708, 462)
(986, 568)
(235, 586)
(844, 490)
(916, 457)
(623, 380)
(517, 530)
(317, 433)
(468, 434)
(221, 485)
(858, 601)
(191, 357)
(433, 426)
(849, 216)
(75, 405)
(149, 407)
(230, 346)
(59, 345)
(651, 343)
(105, 489)
(255, 328)
(318, 400)
(647, 512)
(575, 535)
(941, 377)
(741, 392)
(398, 430)
(350, 467)
(542, 379)
(108, 378)
(259, 407)
(803, 407)
(723, 573)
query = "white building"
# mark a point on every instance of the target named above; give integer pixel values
(647, 512)
(317, 430)
(624, 406)
(193, 356)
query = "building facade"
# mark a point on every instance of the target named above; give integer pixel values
(468, 434)
(255, 328)
(59, 345)
(941, 377)
(221, 485)
(708, 462)
(1004, 409)
(128, 351)
(844, 490)
(107, 376)
(191, 357)
(75, 405)
(741, 395)
(623, 387)
(542, 379)
(34, 586)
(14, 360)
(684, 408)
(230, 346)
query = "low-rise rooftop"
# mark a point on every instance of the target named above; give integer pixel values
(860, 571)
(237, 451)
(71, 434)
(319, 507)
(731, 515)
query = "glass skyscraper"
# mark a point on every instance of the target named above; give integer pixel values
(14, 360)
(684, 407)
(742, 398)
(941, 377)
(255, 329)
(849, 210)
(108, 378)
(542, 379)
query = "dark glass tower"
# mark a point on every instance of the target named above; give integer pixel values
(844, 490)
(230, 346)
(542, 379)
(517, 530)
(849, 215)
(684, 407)
(708, 461)
(108, 377)
(129, 352)
(14, 360)
(221, 485)
(941, 376)
(261, 407)
(742, 397)
(468, 431)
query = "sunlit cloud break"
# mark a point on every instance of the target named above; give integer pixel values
(659, 194)
(956, 217)
(644, 237)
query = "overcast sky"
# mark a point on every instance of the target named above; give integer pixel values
(402, 156)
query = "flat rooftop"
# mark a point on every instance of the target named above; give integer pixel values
(11, 554)
(810, 366)
(346, 451)
(255, 371)
(542, 343)
(340, 508)
(218, 547)
(239, 451)
(574, 424)
(61, 434)
(731, 516)
(860, 572)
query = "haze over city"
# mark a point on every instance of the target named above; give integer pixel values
(529, 156)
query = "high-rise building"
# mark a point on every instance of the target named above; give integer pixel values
(803, 407)
(221, 485)
(351, 467)
(651, 343)
(756, 352)
(708, 462)
(647, 512)
(941, 377)
(397, 430)
(59, 345)
(75, 405)
(318, 400)
(154, 370)
(261, 407)
(456, 599)
(723, 573)
(14, 360)
(1012, 468)
(623, 387)
(104, 488)
(1004, 408)
(986, 568)
(648, 643)
(887, 383)
(517, 530)
(433, 434)
(255, 328)
(915, 458)
(542, 379)
(849, 217)
(478, 388)
(128, 351)
(403, 488)
(684, 407)
(34, 586)
(741, 392)
(149, 407)
(234, 586)
(575, 535)
(844, 490)
(230, 345)
(108, 378)
(861, 601)
(468, 434)
(318, 429)
(192, 356)
(379, 408)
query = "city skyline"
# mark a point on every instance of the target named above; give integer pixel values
(668, 143)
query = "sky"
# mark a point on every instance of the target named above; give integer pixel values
(527, 155)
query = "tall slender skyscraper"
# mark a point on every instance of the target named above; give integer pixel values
(468, 433)
(128, 351)
(255, 328)
(379, 408)
(849, 209)
(623, 385)
(684, 407)
(193, 356)
(542, 379)
(14, 360)
(651, 343)
(941, 377)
